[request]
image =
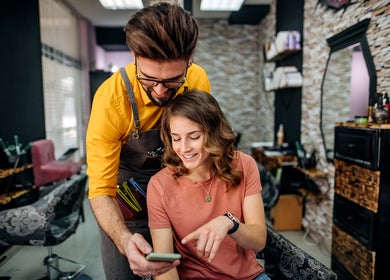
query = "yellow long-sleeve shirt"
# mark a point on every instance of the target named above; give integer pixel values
(111, 122)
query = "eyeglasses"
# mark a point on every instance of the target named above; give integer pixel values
(168, 83)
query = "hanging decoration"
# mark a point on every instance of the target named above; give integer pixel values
(335, 4)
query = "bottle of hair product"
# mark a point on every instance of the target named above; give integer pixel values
(371, 105)
(280, 136)
(379, 114)
(387, 106)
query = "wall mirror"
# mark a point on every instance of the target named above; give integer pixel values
(349, 81)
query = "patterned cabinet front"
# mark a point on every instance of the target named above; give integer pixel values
(361, 212)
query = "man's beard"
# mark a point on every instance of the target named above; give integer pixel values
(161, 102)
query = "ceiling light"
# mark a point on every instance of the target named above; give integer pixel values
(122, 4)
(220, 5)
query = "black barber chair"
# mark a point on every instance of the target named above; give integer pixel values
(284, 260)
(47, 222)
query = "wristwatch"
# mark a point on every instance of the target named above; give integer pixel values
(236, 222)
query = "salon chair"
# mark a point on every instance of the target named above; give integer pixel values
(47, 222)
(55, 215)
(46, 168)
(284, 260)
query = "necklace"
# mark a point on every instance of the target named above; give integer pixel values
(207, 198)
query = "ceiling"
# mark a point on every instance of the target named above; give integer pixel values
(109, 23)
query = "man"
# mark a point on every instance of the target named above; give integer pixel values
(123, 139)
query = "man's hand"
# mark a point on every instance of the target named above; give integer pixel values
(136, 248)
(209, 236)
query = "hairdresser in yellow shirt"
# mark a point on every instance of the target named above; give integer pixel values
(123, 136)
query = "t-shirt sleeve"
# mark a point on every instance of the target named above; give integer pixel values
(103, 141)
(197, 78)
(157, 214)
(251, 175)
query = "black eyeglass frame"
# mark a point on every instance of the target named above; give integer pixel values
(163, 82)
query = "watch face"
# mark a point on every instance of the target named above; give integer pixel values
(231, 217)
(235, 221)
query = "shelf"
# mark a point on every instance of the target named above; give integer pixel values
(313, 172)
(282, 88)
(283, 55)
(282, 78)
(285, 43)
(364, 125)
(8, 172)
(8, 197)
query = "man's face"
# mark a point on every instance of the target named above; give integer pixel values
(161, 79)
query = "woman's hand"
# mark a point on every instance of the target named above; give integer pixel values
(209, 236)
(136, 249)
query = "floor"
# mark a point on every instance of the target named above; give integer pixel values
(27, 262)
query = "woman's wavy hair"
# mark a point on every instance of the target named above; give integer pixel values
(202, 108)
(162, 31)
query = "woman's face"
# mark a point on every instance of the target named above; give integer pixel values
(187, 142)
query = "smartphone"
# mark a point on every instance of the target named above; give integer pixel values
(163, 257)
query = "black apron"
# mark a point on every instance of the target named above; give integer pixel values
(140, 157)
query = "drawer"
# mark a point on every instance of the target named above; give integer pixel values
(355, 258)
(355, 220)
(358, 145)
(342, 273)
(358, 184)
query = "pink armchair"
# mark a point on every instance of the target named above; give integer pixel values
(46, 168)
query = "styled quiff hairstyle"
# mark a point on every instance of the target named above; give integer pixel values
(162, 31)
(202, 108)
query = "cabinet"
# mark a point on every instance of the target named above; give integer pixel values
(361, 212)
(10, 177)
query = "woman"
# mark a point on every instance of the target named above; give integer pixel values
(206, 202)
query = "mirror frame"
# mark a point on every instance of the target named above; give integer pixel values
(352, 35)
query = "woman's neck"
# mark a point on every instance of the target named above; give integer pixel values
(201, 173)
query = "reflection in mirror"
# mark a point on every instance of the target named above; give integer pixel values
(349, 81)
(345, 90)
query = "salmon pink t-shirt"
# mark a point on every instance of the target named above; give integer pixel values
(180, 204)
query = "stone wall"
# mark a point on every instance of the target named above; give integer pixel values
(232, 56)
(321, 23)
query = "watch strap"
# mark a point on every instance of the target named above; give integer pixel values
(236, 224)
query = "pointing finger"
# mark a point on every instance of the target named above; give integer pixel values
(193, 235)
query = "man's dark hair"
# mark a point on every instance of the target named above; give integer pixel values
(162, 31)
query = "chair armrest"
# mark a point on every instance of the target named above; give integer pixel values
(29, 224)
(284, 260)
